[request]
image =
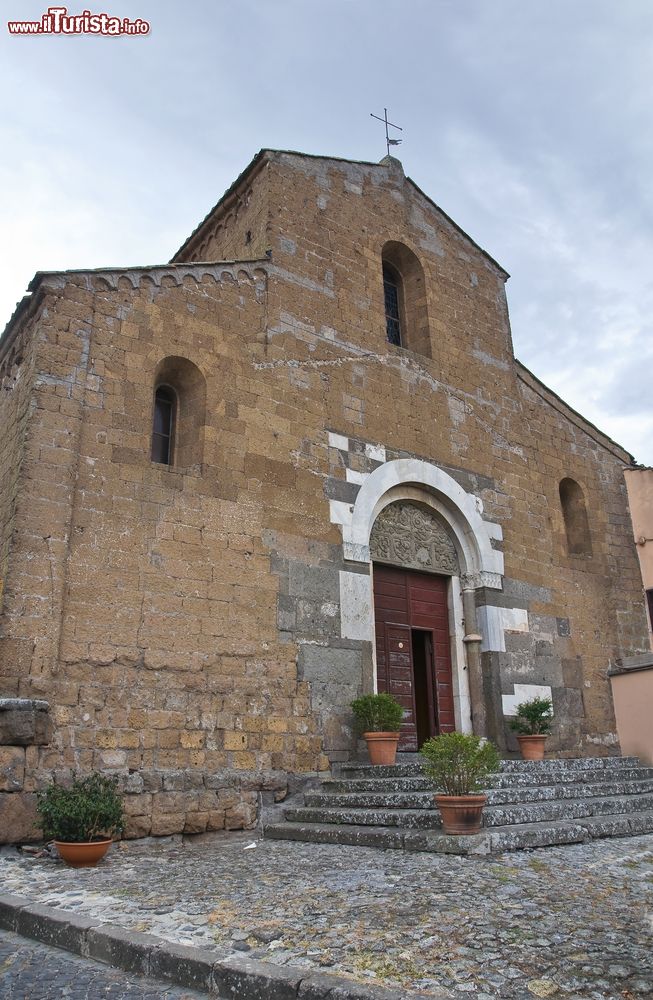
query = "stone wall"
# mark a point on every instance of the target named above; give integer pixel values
(142, 596)
(191, 626)
(16, 376)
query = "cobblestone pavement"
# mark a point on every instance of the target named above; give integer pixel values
(31, 971)
(569, 922)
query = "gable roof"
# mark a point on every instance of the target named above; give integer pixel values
(266, 154)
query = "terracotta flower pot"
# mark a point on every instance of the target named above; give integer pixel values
(461, 814)
(532, 747)
(84, 855)
(382, 747)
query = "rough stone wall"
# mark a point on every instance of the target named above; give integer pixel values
(186, 624)
(467, 409)
(143, 604)
(238, 230)
(597, 595)
(16, 384)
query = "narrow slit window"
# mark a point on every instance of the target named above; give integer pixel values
(165, 404)
(391, 293)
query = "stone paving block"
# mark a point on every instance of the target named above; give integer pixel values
(606, 826)
(183, 965)
(60, 928)
(443, 843)
(249, 979)
(536, 835)
(126, 949)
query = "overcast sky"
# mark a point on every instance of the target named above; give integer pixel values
(530, 122)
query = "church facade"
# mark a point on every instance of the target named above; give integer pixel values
(298, 463)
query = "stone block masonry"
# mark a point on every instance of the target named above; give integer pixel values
(196, 622)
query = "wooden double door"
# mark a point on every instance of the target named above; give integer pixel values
(413, 654)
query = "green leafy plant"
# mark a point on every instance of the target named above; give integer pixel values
(533, 718)
(458, 762)
(377, 713)
(90, 809)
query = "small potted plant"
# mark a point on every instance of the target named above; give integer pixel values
(83, 818)
(532, 722)
(458, 763)
(378, 719)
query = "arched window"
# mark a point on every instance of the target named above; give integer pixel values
(179, 414)
(163, 427)
(391, 292)
(404, 293)
(574, 514)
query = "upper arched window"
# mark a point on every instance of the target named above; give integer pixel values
(163, 429)
(574, 514)
(391, 293)
(404, 293)
(179, 414)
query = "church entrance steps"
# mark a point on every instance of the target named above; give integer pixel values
(530, 804)
(410, 799)
(410, 765)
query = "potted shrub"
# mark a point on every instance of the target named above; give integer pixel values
(458, 763)
(532, 722)
(83, 818)
(378, 720)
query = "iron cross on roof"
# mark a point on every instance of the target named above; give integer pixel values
(388, 141)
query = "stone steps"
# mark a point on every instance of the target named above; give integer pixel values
(408, 818)
(418, 783)
(569, 777)
(489, 841)
(428, 817)
(409, 799)
(412, 767)
(530, 804)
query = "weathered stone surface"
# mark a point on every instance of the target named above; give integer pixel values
(51, 926)
(164, 824)
(12, 769)
(137, 826)
(18, 817)
(127, 949)
(9, 907)
(185, 966)
(254, 980)
(24, 722)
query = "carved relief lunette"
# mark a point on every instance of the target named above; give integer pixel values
(411, 536)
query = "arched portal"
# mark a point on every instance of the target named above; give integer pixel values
(429, 549)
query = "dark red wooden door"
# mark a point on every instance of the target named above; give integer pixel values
(413, 654)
